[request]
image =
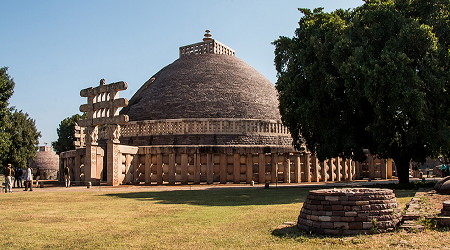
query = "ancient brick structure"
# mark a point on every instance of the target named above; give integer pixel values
(207, 117)
(48, 163)
(349, 211)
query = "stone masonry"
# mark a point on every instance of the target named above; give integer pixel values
(349, 211)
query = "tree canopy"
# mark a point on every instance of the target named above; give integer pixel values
(6, 91)
(24, 139)
(66, 133)
(375, 77)
(18, 134)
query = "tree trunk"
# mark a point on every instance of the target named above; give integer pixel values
(402, 166)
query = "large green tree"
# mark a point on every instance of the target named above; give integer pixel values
(66, 133)
(6, 90)
(374, 77)
(23, 137)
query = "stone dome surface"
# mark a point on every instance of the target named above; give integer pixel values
(205, 86)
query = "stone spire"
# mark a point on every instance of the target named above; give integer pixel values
(207, 36)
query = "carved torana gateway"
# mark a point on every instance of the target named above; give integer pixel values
(208, 117)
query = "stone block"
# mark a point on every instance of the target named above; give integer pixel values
(355, 225)
(338, 213)
(351, 213)
(341, 225)
(335, 218)
(356, 208)
(332, 198)
(326, 225)
(327, 208)
(321, 213)
(367, 225)
(360, 203)
(365, 207)
(324, 218)
(348, 219)
(337, 207)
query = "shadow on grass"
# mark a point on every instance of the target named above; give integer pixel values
(222, 196)
(231, 197)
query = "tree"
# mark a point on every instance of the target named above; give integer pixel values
(6, 90)
(66, 133)
(374, 77)
(24, 139)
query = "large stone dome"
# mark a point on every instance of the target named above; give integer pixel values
(205, 86)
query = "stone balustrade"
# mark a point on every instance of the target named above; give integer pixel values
(200, 126)
(213, 164)
(211, 46)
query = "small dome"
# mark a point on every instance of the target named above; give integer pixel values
(47, 161)
(205, 86)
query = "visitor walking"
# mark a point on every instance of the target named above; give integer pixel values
(38, 176)
(8, 173)
(18, 178)
(28, 179)
(67, 176)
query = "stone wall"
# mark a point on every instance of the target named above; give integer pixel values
(349, 211)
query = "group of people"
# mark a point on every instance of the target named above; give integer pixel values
(17, 174)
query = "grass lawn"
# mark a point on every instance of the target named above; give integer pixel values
(220, 218)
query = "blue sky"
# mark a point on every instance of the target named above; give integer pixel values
(56, 48)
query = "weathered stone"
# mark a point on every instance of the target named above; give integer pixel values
(337, 207)
(351, 213)
(324, 218)
(341, 225)
(355, 225)
(358, 219)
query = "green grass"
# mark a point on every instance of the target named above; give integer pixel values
(209, 219)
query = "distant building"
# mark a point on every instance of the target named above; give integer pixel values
(48, 163)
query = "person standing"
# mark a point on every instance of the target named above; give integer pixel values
(67, 176)
(28, 179)
(38, 176)
(8, 173)
(18, 177)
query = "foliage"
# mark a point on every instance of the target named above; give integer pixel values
(24, 139)
(18, 134)
(6, 90)
(66, 133)
(375, 77)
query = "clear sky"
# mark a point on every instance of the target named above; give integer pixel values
(55, 48)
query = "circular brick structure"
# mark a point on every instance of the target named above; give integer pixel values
(349, 211)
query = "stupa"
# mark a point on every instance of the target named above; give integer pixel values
(208, 117)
